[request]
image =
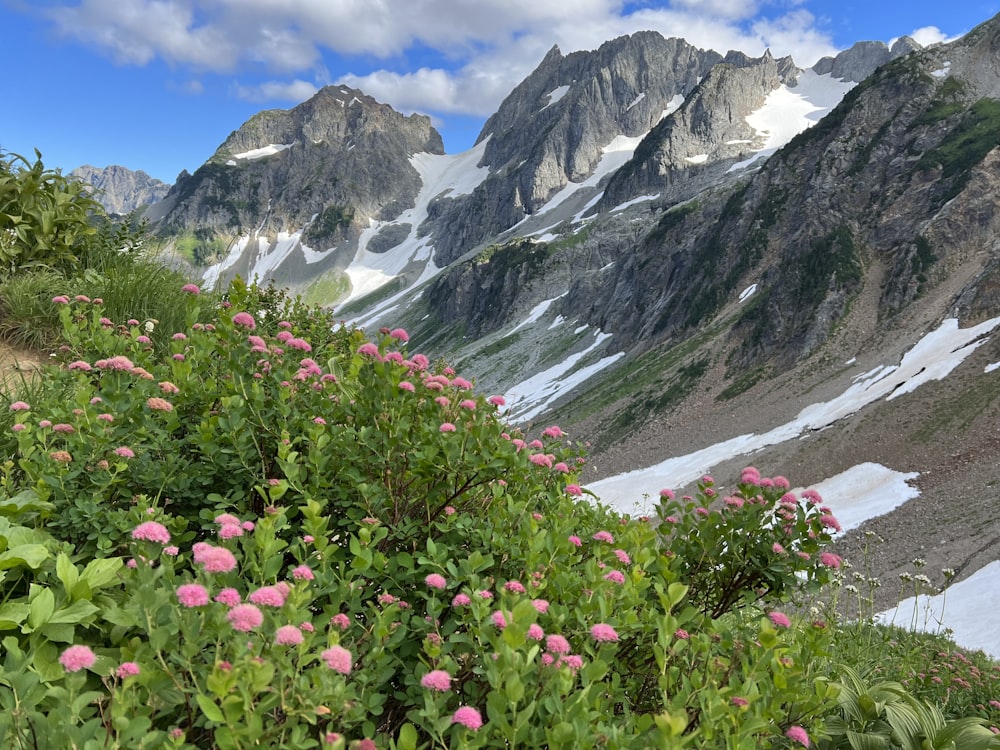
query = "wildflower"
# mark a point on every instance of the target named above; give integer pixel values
(535, 632)
(830, 560)
(738, 701)
(798, 734)
(20, 406)
(399, 334)
(118, 364)
(269, 596)
(151, 531)
(124, 452)
(230, 530)
(228, 596)
(447, 427)
(681, 634)
(405, 385)
(540, 605)
(603, 633)
(556, 644)
(498, 619)
(575, 541)
(604, 536)
(127, 669)
(779, 619)
(61, 299)
(701, 511)
(338, 659)
(553, 432)
(468, 717)
(515, 587)
(191, 289)
(301, 344)
(467, 404)
(80, 365)
(62, 457)
(484, 594)
(623, 557)
(18, 427)
(76, 658)
(64, 428)
(192, 595)
(777, 549)
(436, 679)
(497, 401)
(436, 581)
(244, 320)
(303, 573)
(214, 559)
(615, 576)
(830, 522)
(245, 617)
(340, 620)
(461, 384)
(461, 600)
(159, 404)
(667, 494)
(369, 350)
(540, 459)
(288, 635)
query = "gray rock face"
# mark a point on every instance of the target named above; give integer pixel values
(695, 145)
(330, 164)
(552, 128)
(122, 190)
(860, 60)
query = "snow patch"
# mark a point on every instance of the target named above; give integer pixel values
(866, 491)
(536, 313)
(557, 322)
(932, 358)
(640, 199)
(942, 72)
(636, 101)
(746, 293)
(555, 95)
(672, 106)
(991, 367)
(696, 159)
(614, 156)
(259, 153)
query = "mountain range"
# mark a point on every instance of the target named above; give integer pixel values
(669, 249)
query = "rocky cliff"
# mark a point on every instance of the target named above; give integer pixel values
(122, 190)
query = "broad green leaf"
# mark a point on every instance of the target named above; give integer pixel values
(12, 614)
(210, 708)
(42, 606)
(30, 555)
(67, 572)
(102, 571)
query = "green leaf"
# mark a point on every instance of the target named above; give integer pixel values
(407, 739)
(31, 555)
(42, 605)
(210, 709)
(102, 571)
(78, 612)
(67, 573)
(12, 614)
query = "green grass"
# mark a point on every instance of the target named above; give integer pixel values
(327, 289)
(372, 298)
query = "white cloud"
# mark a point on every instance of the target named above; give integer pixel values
(291, 91)
(928, 35)
(479, 50)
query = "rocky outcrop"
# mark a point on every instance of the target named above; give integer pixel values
(860, 60)
(553, 128)
(693, 147)
(121, 190)
(330, 165)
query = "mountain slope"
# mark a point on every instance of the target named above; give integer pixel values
(122, 190)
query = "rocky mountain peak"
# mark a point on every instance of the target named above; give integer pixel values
(861, 59)
(121, 190)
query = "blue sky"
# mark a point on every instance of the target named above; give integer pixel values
(157, 85)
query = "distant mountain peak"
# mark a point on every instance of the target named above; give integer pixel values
(121, 190)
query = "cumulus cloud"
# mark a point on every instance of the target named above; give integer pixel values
(286, 91)
(929, 35)
(417, 55)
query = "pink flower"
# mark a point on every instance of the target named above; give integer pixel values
(151, 531)
(288, 635)
(436, 581)
(65, 428)
(468, 717)
(269, 596)
(127, 669)
(484, 594)
(436, 679)
(159, 404)
(553, 432)
(340, 620)
(214, 559)
(603, 633)
(406, 385)
(830, 522)
(62, 457)
(461, 600)
(540, 605)
(556, 644)
(515, 587)
(830, 560)
(301, 344)
(749, 475)
(20, 406)
(546, 659)
(124, 452)
(447, 427)
(461, 384)
(535, 632)
(779, 619)
(540, 459)
(681, 634)
(575, 541)
(497, 400)
(303, 573)
(573, 489)
(119, 363)
(172, 551)
(191, 289)
(80, 365)
(369, 350)
(245, 617)
(604, 536)
(399, 334)
(738, 701)
(192, 595)
(623, 557)
(76, 658)
(230, 530)
(615, 576)
(798, 734)
(61, 299)
(338, 659)
(244, 320)
(228, 596)
(467, 403)
(498, 619)
(667, 494)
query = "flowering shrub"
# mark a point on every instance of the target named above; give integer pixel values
(289, 536)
